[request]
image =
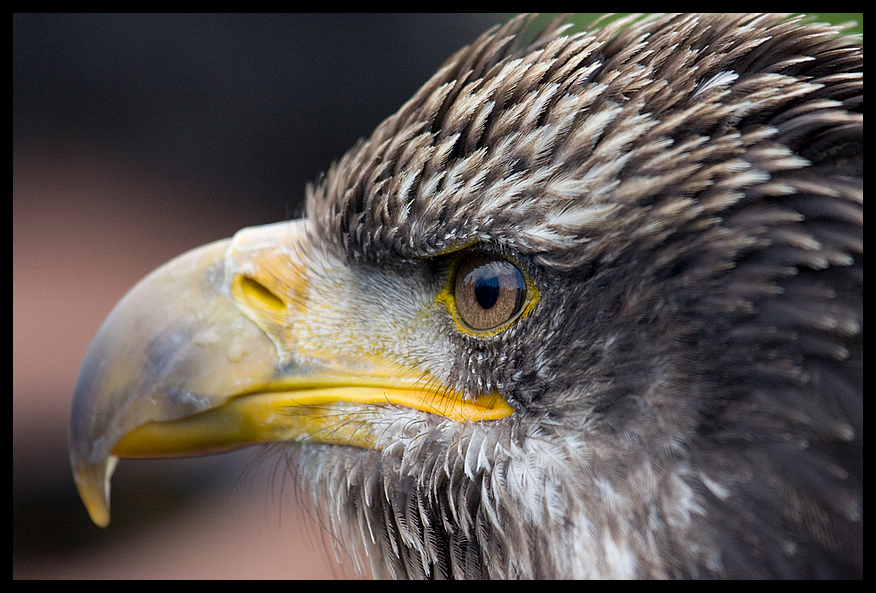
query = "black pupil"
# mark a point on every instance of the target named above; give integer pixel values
(487, 291)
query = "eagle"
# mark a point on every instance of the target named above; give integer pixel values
(589, 305)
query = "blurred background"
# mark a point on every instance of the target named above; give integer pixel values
(138, 137)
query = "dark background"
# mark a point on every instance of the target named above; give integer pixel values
(135, 138)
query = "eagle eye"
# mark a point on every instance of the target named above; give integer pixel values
(489, 291)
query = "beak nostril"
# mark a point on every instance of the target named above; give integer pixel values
(257, 293)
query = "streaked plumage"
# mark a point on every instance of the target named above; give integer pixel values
(686, 192)
(690, 190)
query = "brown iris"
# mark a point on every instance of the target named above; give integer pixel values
(489, 291)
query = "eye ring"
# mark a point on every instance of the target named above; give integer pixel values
(489, 291)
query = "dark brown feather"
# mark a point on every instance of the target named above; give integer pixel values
(687, 192)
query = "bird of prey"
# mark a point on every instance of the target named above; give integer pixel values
(587, 305)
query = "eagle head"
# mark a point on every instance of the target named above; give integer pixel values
(589, 305)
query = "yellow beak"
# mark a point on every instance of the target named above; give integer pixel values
(237, 343)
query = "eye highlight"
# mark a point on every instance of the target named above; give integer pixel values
(489, 291)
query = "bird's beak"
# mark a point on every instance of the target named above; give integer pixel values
(215, 350)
